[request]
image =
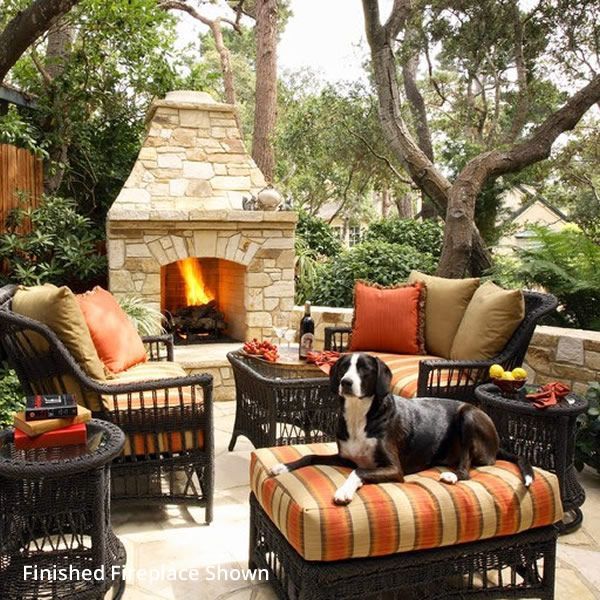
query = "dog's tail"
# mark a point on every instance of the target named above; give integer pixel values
(523, 464)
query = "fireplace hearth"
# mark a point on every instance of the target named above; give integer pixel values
(197, 324)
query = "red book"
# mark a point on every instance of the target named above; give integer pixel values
(66, 436)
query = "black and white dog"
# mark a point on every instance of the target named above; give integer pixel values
(383, 437)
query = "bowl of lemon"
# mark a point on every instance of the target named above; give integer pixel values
(509, 382)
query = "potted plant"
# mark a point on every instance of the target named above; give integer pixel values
(587, 447)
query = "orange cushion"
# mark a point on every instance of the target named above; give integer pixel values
(116, 339)
(389, 319)
(389, 518)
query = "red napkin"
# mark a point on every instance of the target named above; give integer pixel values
(324, 360)
(549, 394)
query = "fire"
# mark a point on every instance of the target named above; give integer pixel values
(196, 290)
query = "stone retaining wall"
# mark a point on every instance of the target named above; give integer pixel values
(568, 355)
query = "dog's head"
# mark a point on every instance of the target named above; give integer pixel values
(360, 375)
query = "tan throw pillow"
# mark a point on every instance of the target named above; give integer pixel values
(445, 306)
(58, 309)
(490, 320)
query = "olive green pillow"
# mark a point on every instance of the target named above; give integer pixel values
(445, 305)
(491, 318)
(57, 308)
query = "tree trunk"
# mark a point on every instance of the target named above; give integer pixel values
(225, 58)
(26, 27)
(58, 51)
(404, 206)
(265, 112)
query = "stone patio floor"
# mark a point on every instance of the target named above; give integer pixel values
(176, 537)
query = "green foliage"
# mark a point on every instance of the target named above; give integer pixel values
(318, 235)
(11, 396)
(119, 60)
(307, 268)
(329, 146)
(587, 446)
(566, 264)
(423, 236)
(15, 130)
(147, 319)
(374, 261)
(60, 246)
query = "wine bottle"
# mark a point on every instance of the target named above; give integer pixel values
(307, 333)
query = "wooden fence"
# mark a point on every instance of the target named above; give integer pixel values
(20, 171)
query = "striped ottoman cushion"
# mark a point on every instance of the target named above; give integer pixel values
(396, 517)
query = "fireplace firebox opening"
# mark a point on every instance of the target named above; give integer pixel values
(203, 300)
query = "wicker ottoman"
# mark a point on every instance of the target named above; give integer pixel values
(488, 537)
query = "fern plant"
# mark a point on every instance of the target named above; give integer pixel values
(147, 319)
(566, 264)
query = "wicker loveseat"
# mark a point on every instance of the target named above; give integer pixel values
(431, 376)
(165, 414)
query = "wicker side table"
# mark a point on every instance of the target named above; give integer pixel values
(545, 436)
(281, 404)
(55, 519)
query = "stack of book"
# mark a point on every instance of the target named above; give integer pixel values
(49, 421)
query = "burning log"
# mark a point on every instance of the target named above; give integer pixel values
(202, 318)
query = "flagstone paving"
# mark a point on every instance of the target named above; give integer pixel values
(175, 538)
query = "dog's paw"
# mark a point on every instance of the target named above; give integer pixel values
(528, 480)
(448, 477)
(345, 493)
(278, 469)
(343, 496)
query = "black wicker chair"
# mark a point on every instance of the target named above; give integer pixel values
(168, 423)
(459, 378)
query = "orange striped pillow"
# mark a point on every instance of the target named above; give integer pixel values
(389, 319)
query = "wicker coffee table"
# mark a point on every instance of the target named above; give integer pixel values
(55, 519)
(278, 404)
(545, 436)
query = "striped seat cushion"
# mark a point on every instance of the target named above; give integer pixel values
(396, 517)
(155, 442)
(405, 372)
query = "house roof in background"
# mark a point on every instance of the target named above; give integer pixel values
(12, 95)
(533, 198)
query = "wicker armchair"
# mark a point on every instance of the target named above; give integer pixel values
(459, 378)
(168, 422)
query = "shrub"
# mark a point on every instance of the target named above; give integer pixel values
(374, 261)
(60, 246)
(318, 235)
(566, 264)
(424, 236)
(587, 447)
(11, 396)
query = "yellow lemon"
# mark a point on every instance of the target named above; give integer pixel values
(496, 371)
(519, 373)
(508, 376)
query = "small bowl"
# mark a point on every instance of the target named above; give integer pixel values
(509, 386)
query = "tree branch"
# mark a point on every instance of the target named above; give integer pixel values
(381, 157)
(26, 27)
(539, 145)
(217, 33)
(522, 107)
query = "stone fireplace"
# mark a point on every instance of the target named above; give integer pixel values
(180, 213)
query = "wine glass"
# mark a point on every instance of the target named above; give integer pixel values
(280, 325)
(290, 336)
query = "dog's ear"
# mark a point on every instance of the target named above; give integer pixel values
(335, 375)
(384, 380)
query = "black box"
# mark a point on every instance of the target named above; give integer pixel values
(50, 406)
